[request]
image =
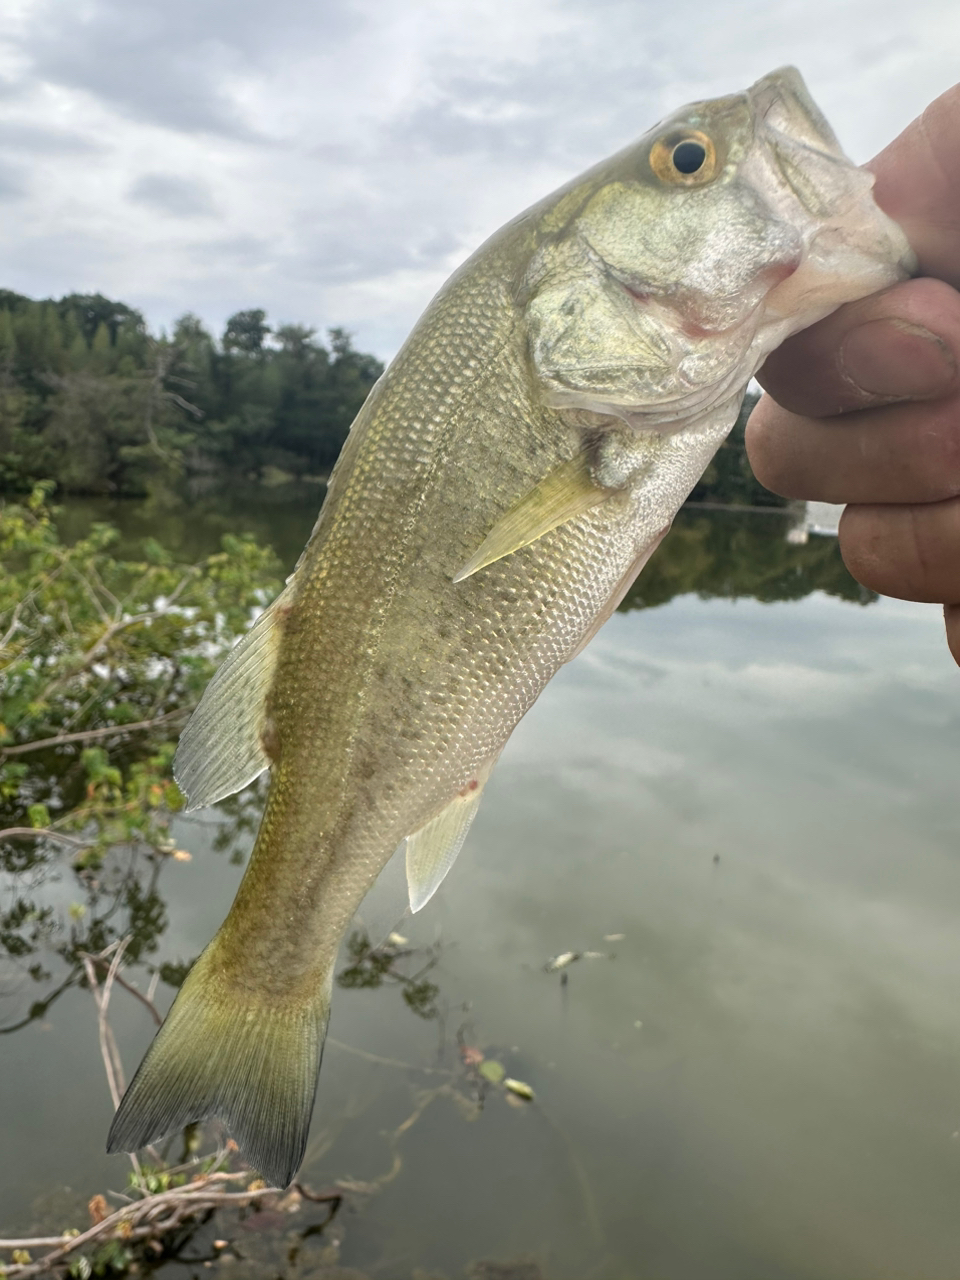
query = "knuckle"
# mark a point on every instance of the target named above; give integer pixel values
(767, 449)
(911, 552)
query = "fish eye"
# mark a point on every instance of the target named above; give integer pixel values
(684, 158)
(688, 157)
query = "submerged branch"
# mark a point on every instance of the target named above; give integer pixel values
(48, 832)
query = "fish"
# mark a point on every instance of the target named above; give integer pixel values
(508, 477)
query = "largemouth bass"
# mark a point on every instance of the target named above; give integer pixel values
(506, 480)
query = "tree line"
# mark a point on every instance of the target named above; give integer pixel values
(92, 400)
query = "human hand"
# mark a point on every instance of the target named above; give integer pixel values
(864, 407)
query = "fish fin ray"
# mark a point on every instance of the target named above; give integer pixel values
(432, 850)
(220, 751)
(252, 1063)
(565, 492)
(387, 902)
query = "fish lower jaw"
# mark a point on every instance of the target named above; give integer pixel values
(815, 291)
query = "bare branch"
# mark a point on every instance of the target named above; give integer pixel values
(108, 1045)
(14, 623)
(44, 831)
(90, 735)
(89, 588)
(139, 1220)
(94, 573)
(108, 1048)
(128, 986)
(183, 404)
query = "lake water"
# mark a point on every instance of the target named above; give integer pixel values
(753, 780)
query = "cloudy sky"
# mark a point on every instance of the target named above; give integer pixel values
(333, 160)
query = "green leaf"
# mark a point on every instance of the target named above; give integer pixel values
(492, 1070)
(39, 815)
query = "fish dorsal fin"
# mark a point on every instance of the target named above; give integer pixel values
(566, 491)
(432, 850)
(220, 750)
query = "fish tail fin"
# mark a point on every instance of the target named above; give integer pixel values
(222, 1051)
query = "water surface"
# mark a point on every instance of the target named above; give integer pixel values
(760, 1079)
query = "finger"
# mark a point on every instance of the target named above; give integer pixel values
(911, 552)
(918, 185)
(897, 454)
(902, 344)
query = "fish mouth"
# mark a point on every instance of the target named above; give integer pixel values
(834, 193)
(783, 106)
(803, 147)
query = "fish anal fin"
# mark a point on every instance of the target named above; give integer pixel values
(227, 739)
(432, 850)
(565, 492)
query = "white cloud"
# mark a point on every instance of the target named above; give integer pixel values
(333, 162)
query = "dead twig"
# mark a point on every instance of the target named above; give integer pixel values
(128, 986)
(141, 1220)
(331, 1043)
(50, 834)
(90, 735)
(108, 1045)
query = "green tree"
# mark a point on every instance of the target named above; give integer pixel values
(90, 310)
(103, 406)
(246, 332)
(101, 350)
(101, 658)
(8, 342)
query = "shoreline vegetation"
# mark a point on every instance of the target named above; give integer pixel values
(198, 1210)
(95, 402)
(101, 658)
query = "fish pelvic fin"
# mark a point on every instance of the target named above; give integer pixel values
(565, 492)
(249, 1060)
(432, 850)
(221, 751)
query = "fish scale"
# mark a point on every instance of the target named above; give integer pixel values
(507, 478)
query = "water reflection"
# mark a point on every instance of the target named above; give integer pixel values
(63, 900)
(712, 553)
(191, 524)
(709, 552)
(760, 1083)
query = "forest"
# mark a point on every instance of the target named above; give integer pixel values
(92, 400)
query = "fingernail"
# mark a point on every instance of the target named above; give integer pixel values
(897, 360)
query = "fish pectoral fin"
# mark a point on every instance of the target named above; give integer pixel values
(432, 850)
(565, 492)
(221, 750)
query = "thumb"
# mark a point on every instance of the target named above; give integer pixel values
(918, 185)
